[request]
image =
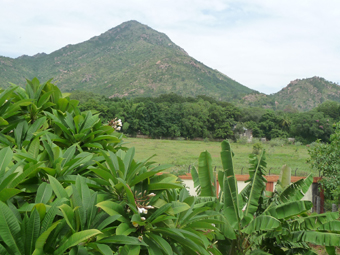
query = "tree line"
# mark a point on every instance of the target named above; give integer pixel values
(172, 115)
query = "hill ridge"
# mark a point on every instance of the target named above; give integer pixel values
(130, 60)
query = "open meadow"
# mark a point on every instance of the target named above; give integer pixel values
(185, 153)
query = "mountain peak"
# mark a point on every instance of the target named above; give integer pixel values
(129, 60)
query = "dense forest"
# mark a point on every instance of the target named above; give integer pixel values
(171, 115)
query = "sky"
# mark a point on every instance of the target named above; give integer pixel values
(262, 44)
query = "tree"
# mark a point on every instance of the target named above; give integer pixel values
(325, 157)
(330, 109)
(310, 126)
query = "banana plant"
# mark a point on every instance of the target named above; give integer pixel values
(258, 222)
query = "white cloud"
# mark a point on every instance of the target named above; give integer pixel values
(260, 43)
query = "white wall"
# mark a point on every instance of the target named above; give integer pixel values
(240, 185)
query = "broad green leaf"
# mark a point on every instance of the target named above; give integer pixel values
(34, 147)
(177, 236)
(120, 239)
(289, 209)
(332, 226)
(159, 212)
(112, 208)
(32, 231)
(68, 216)
(296, 191)
(178, 207)
(104, 249)
(108, 221)
(62, 104)
(314, 221)
(3, 122)
(161, 243)
(39, 244)
(41, 209)
(6, 93)
(285, 176)
(262, 223)
(318, 238)
(8, 179)
(148, 174)
(6, 155)
(6, 194)
(128, 192)
(231, 210)
(206, 175)
(58, 189)
(29, 170)
(75, 239)
(10, 230)
(124, 229)
(226, 157)
(258, 184)
(44, 193)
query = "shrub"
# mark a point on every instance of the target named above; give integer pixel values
(68, 186)
(277, 142)
(257, 148)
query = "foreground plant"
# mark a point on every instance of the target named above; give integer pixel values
(260, 222)
(67, 186)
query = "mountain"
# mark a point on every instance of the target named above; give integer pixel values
(129, 60)
(300, 94)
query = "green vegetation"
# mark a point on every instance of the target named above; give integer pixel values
(258, 222)
(132, 60)
(69, 186)
(129, 60)
(183, 154)
(171, 115)
(326, 159)
(298, 95)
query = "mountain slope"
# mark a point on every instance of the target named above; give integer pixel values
(306, 94)
(129, 60)
(300, 94)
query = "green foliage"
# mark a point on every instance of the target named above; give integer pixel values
(271, 222)
(257, 147)
(129, 60)
(310, 126)
(325, 158)
(299, 95)
(67, 186)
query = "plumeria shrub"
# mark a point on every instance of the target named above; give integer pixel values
(68, 186)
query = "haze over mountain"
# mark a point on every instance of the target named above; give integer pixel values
(129, 60)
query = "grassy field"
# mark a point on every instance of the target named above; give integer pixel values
(183, 154)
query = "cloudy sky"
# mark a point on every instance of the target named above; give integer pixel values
(263, 44)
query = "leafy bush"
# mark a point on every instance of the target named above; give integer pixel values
(326, 159)
(257, 147)
(277, 142)
(68, 186)
(242, 140)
